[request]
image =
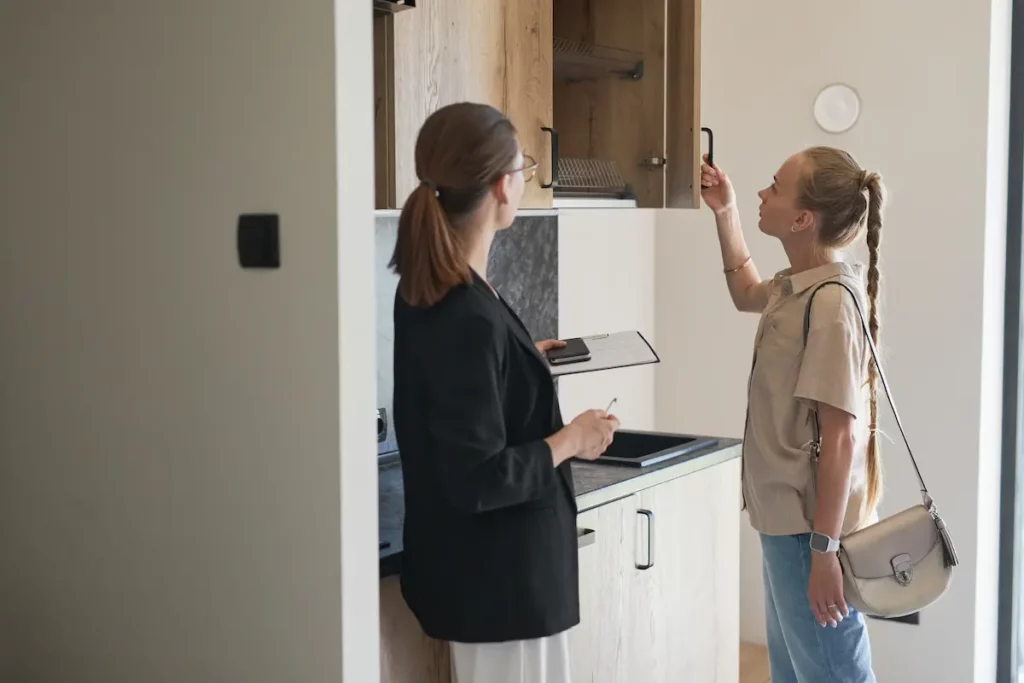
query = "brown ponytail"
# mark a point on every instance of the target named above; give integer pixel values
(427, 254)
(848, 201)
(876, 198)
(461, 150)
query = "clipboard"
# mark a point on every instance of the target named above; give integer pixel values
(610, 351)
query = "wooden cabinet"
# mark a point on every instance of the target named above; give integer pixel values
(617, 82)
(384, 152)
(493, 51)
(407, 655)
(627, 99)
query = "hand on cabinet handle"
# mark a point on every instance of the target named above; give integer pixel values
(711, 145)
(554, 158)
(650, 539)
(585, 537)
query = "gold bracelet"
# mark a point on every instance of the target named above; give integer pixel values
(739, 267)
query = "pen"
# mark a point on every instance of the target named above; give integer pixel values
(608, 409)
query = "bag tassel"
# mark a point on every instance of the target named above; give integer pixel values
(947, 543)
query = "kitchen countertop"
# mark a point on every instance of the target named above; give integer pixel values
(596, 484)
(391, 508)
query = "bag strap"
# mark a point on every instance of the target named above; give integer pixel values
(929, 503)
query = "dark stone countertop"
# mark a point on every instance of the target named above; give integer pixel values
(595, 483)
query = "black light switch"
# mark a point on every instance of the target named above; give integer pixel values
(258, 241)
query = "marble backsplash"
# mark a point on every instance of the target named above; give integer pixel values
(523, 267)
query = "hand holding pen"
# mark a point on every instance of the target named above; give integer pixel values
(596, 429)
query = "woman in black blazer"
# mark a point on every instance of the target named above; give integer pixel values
(490, 558)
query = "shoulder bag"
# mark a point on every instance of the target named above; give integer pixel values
(905, 562)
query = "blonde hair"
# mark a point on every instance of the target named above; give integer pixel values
(848, 203)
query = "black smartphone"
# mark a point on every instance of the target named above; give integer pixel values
(574, 351)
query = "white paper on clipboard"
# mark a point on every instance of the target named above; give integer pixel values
(609, 351)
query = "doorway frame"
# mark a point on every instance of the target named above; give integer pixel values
(1011, 520)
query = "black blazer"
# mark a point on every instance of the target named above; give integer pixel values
(490, 524)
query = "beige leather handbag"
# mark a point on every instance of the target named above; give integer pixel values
(905, 562)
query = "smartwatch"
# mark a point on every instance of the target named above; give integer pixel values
(820, 543)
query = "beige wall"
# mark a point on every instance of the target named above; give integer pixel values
(934, 130)
(169, 423)
(606, 284)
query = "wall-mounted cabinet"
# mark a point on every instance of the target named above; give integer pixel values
(627, 99)
(605, 94)
(445, 51)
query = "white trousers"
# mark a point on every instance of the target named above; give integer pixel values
(545, 660)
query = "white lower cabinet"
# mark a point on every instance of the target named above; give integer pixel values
(601, 644)
(659, 601)
(659, 587)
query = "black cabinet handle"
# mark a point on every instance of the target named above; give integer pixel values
(711, 145)
(650, 539)
(585, 537)
(554, 158)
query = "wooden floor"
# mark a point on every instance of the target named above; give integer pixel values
(753, 663)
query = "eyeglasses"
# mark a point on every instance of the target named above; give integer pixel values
(529, 168)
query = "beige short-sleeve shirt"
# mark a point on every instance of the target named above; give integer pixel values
(786, 380)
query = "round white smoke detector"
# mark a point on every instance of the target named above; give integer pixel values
(836, 108)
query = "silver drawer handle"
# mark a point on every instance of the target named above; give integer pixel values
(650, 539)
(585, 537)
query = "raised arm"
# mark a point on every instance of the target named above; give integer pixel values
(749, 293)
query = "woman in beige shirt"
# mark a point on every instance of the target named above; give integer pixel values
(820, 201)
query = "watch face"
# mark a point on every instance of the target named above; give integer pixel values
(819, 543)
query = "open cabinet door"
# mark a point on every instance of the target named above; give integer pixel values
(682, 105)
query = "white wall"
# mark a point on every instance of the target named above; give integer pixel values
(929, 127)
(169, 423)
(606, 284)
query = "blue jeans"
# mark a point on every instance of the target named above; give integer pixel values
(799, 649)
